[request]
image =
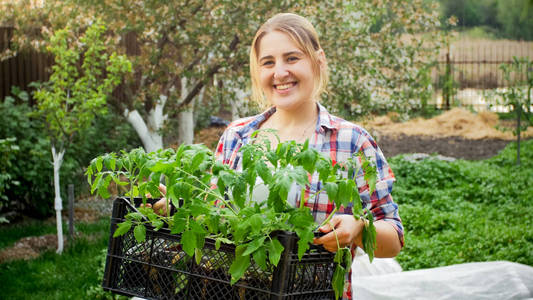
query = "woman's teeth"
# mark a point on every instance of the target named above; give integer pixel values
(284, 86)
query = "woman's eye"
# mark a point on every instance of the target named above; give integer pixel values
(267, 63)
(292, 58)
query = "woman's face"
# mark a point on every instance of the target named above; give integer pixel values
(285, 72)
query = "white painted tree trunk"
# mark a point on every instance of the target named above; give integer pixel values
(149, 132)
(237, 105)
(58, 205)
(186, 126)
(186, 116)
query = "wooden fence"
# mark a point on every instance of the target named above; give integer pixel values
(22, 69)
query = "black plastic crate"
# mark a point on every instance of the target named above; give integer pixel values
(159, 269)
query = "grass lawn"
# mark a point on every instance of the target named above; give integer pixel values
(456, 212)
(53, 276)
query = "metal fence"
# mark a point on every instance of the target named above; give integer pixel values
(468, 74)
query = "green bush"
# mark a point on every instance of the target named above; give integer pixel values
(466, 211)
(31, 166)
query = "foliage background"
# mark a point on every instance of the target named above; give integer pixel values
(510, 19)
(32, 164)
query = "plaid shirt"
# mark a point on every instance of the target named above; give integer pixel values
(339, 139)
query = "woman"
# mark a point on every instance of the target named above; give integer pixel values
(289, 70)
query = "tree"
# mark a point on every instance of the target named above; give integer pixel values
(82, 77)
(379, 54)
(517, 95)
(180, 50)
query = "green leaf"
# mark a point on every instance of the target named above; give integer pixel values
(135, 216)
(188, 240)
(284, 187)
(263, 171)
(344, 194)
(256, 223)
(332, 191)
(198, 209)
(198, 255)
(246, 158)
(122, 228)
(99, 163)
(308, 160)
(338, 281)
(254, 245)
(260, 256)
(324, 169)
(110, 162)
(102, 187)
(275, 249)
(220, 240)
(301, 218)
(305, 238)
(197, 160)
(140, 233)
(239, 193)
(158, 224)
(369, 237)
(272, 158)
(240, 264)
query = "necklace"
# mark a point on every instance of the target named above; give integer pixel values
(298, 135)
(305, 133)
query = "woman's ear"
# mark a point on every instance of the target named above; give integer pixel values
(322, 58)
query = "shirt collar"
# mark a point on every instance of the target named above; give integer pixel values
(325, 121)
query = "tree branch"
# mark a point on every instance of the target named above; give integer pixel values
(212, 71)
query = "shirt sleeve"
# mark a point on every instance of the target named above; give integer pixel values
(380, 202)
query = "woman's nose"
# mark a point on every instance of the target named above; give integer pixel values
(280, 71)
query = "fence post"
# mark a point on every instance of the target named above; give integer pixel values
(448, 82)
(70, 211)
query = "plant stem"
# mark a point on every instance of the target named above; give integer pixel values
(336, 237)
(221, 198)
(326, 221)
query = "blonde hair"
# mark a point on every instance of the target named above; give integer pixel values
(302, 32)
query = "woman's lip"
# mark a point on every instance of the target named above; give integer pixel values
(284, 91)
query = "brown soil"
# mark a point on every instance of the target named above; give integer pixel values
(29, 247)
(454, 146)
(456, 133)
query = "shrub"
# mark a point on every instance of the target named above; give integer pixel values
(31, 166)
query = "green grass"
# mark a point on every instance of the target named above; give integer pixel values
(466, 211)
(10, 233)
(53, 276)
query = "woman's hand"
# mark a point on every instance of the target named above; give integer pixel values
(160, 207)
(348, 229)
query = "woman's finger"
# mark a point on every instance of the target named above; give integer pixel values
(163, 189)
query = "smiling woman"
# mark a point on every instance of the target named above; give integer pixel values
(288, 68)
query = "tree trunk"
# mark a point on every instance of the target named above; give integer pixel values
(58, 205)
(149, 132)
(186, 116)
(518, 127)
(186, 126)
(237, 105)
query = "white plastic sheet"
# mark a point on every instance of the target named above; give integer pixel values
(498, 280)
